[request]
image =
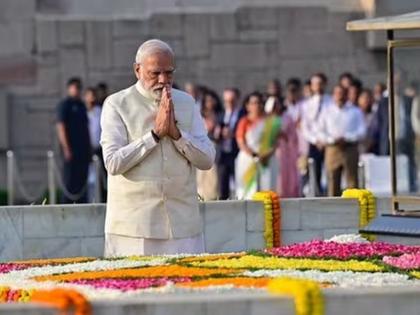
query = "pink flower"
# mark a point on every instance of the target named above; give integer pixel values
(7, 267)
(328, 249)
(129, 284)
(406, 261)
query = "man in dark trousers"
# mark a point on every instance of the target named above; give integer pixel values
(312, 109)
(73, 135)
(225, 137)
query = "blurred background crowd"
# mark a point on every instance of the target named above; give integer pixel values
(264, 139)
(279, 134)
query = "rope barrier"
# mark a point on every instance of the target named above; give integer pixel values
(60, 181)
(30, 198)
(15, 179)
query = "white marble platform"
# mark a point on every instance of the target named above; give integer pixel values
(51, 231)
(54, 231)
(77, 230)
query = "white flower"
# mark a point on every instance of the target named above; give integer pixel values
(95, 265)
(348, 238)
(348, 279)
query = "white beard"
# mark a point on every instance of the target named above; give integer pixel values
(156, 95)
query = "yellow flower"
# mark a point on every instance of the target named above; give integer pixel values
(261, 262)
(265, 197)
(367, 206)
(307, 294)
(144, 258)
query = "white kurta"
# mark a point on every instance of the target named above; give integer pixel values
(118, 245)
(152, 197)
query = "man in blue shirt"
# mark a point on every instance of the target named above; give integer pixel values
(73, 135)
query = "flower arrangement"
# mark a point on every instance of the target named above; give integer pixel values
(307, 294)
(64, 300)
(405, 261)
(8, 294)
(341, 251)
(367, 206)
(272, 217)
(145, 272)
(348, 238)
(270, 262)
(299, 270)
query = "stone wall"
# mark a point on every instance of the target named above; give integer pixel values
(77, 230)
(243, 48)
(145, 8)
(384, 301)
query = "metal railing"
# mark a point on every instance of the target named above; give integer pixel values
(312, 178)
(15, 185)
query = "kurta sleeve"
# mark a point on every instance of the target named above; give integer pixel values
(195, 145)
(120, 155)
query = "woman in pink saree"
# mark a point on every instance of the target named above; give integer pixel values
(288, 149)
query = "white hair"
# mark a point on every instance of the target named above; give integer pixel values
(152, 46)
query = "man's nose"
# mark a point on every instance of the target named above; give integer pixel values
(163, 78)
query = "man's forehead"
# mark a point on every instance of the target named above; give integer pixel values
(159, 59)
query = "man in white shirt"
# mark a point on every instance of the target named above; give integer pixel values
(153, 139)
(310, 120)
(341, 127)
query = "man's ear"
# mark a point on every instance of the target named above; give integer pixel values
(136, 68)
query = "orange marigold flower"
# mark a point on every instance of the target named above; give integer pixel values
(55, 261)
(64, 300)
(239, 282)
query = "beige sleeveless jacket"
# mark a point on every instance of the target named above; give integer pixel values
(158, 197)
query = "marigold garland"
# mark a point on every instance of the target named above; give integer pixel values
(14, 295)
(272, 217)
(276, 219)
(64, 300)
(367, 206)
(268, 217)
(307, 294)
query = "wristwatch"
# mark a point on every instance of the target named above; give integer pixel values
(155, 136)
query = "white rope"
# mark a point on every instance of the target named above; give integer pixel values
(22, 189)
(60, 181)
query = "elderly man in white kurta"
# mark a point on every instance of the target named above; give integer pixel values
(153, 139)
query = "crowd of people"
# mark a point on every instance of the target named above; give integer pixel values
(263, 140)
